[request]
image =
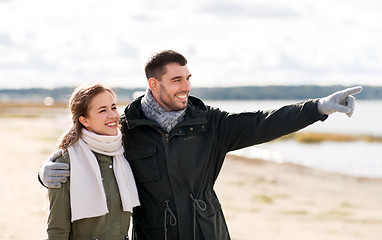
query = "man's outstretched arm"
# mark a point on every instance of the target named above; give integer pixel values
(249, 128)
(52, 174)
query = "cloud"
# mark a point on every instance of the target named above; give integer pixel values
(227, 42)
(127, 49)
(251, 10)
(5, 39)
(143, 18)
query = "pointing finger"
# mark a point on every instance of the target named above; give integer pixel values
(353, 90)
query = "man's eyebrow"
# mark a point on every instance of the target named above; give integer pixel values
(101, 107)
(176, 77)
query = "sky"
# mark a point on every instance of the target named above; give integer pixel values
(55, 43)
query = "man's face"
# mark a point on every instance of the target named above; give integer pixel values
(174, 87)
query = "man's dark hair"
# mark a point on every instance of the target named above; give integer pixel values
(155, 66)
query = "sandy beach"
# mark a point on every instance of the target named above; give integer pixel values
(261, 200)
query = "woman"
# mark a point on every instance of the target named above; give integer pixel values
(97, 200)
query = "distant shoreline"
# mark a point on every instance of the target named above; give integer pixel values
(213, 93)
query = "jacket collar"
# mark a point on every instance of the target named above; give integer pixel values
(196, 113)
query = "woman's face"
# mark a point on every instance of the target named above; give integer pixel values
(102, 117)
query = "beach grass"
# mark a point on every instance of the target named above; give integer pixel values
(318, 137)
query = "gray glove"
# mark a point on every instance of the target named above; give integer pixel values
(340, 101)
(52, 174)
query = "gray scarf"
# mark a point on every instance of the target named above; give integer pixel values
(155, 112)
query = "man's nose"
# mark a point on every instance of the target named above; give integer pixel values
(186, 85)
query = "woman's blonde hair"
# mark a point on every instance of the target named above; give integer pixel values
(79, 105)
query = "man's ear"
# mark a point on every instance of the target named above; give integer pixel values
(153, 84)
(84, 121)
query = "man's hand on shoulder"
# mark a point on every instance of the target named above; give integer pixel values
(341, 101)
(52, 174)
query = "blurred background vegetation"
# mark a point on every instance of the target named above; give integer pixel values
(227, 93)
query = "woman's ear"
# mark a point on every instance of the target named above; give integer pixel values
(153, 84)
(84, 121)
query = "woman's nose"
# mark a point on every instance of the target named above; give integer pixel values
(112, 114)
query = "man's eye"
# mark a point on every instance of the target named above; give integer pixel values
(114, 108)
(102, 111)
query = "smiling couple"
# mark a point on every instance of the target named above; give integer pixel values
(162, 165)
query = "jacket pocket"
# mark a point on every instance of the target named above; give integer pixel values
(212, 207)
(143, 163)
(212, 222)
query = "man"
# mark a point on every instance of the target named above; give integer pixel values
(176, 146)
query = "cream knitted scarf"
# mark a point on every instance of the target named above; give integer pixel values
(87, 195)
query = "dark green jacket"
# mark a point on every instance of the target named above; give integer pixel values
(175, 172)
(114, 225)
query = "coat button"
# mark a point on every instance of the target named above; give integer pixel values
(110, 166)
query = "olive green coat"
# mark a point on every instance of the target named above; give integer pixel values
(112, 226)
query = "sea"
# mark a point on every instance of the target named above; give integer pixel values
(359, 158)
